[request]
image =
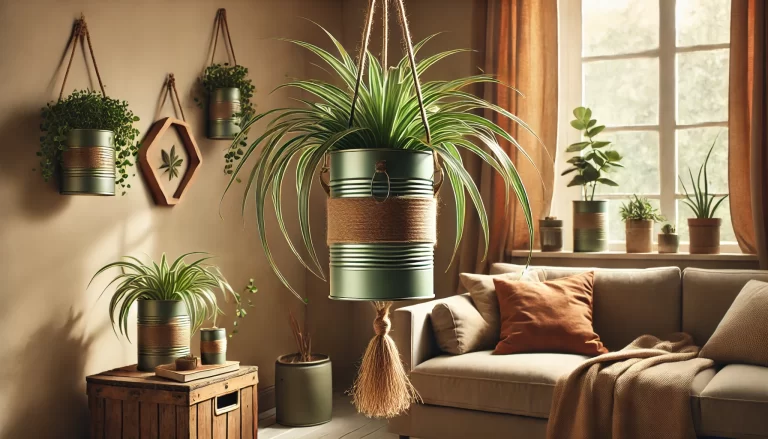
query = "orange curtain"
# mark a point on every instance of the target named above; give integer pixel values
(748, 127)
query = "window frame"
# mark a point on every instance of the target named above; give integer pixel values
(570, 96)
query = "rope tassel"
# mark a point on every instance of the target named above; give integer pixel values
(382, 388)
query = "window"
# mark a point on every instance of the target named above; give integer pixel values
(655, 72)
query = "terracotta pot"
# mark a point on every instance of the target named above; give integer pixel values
(705, 235)
(669, 242)
(639, 236)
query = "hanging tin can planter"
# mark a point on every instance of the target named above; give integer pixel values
(163, 332)
(381, 224)
(88, 163)
(213, 345)
(224, 113)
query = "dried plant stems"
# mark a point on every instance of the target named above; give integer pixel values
(302, 338)
(382, 388)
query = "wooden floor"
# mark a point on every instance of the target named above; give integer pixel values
(346, 423)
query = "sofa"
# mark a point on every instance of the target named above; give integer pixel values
(485, 396)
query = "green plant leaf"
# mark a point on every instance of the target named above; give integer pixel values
(580, 113)
(612, 155)
(577, 180)
(600, 144)
(578, 124)
(607, 181)
(592, 132)
(578, 146)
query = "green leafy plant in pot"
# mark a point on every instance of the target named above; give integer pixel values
(173, 300)
(88, 139)
(595, 158)
(639, 216)
(383, 139)
(704, 228)
(669, 240)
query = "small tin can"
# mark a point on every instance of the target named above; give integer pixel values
(213, 345)
(551, 234)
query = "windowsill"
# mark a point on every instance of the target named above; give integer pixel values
(613, 255)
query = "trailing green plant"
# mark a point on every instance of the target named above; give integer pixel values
(639, 208)
(171, 163)
(226, 76)
(240, 311)
(668, 229)
(702, 203)
(595, 156)
(88, 109)
(387, 115)
(192, 283)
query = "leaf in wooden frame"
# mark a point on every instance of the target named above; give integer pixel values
(171, 163)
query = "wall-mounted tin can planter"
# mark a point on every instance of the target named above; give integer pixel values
(88, 163)
(213, 345)
(373, 254)
(590, 226)
(223, 113)
(551, 234)
(163, 332)
(303, 391)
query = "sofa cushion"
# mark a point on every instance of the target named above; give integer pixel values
(707, 296)
(735, 403)
(459, 327)
(520, 384)
(628, 303)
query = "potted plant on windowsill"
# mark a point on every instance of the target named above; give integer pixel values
(594, 159)
(174, 300)
(669, 241)
(704, 228)
(89, 140)
(639, 217)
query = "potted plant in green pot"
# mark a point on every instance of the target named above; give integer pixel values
(386, 141)
(704, 228)
(639, 217)
(595, 158)
(89, 140)
(173, 302)
(229, 99)
(669, 241)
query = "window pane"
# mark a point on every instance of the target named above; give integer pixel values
(703, 22)
(616, 228)
(623, 92)
(724, 212)
(605, 25)
(640, 157)
(692, 147)
(702, 86)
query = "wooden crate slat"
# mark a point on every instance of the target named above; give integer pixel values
(96, 406)
(246, 412)
(148, 414)
(204, 420)
(141, 395)
(220, 426)
(167, 421)
(220, 388)
(192, 422)
(130, 420)
(182, 422)
(113, 418)
(233, 423)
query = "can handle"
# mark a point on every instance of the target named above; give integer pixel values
(381, 168)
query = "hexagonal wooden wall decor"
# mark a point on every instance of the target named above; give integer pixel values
(150, 174)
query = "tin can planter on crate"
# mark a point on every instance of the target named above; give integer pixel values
(88, 163)
(639, 236)
(163, 332)
(590, 226)
(223, 113)
(303, 391)
(213, 345)
(704, 235)
(381, 224)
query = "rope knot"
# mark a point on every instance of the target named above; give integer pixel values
(382, 323)
(381, 167)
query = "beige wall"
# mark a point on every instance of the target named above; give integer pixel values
(55, 331)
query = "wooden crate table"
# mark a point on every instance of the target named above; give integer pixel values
(125, 403)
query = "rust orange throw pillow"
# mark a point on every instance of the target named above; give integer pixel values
(551, 316)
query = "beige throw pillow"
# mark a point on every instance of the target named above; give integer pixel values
(459, 328)
(741, 335)
(483, 293)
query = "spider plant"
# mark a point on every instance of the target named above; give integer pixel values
(193, 283)
(702, 203)
(387, 115)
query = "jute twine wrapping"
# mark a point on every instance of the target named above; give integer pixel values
(398, 219)
(223, 109)
(174, 333)
(588, 220)
(88, 157)
(213, 346)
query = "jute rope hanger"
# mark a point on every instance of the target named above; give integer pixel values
(79, 34)
(221, 23)
(172, 92)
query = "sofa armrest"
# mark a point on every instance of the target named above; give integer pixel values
(413, 335)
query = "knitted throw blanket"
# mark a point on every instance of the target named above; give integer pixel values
(639, 392)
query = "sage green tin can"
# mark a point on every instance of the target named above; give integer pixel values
(213, 345)
(387, 270)
(88, 163)
(590, 226)
(223, 113)
(163, 332)
(303, 391)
